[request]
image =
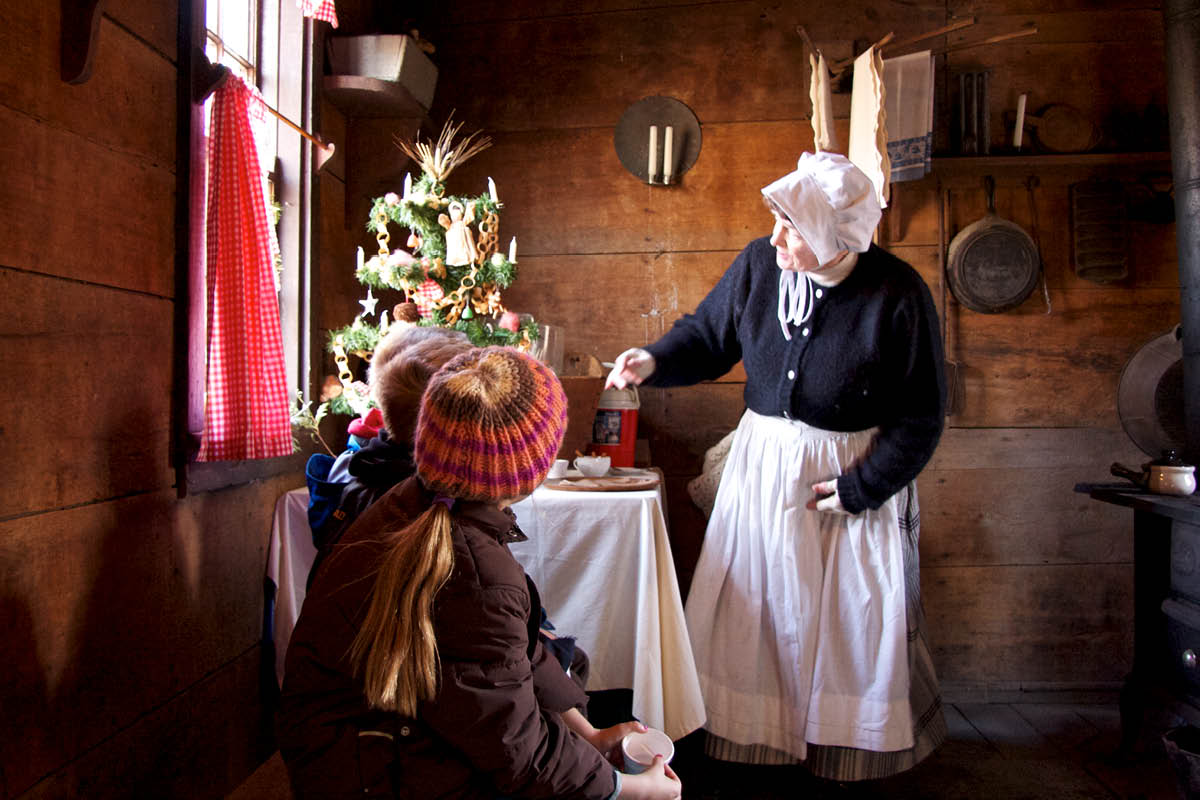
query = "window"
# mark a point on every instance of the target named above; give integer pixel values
(269, 44)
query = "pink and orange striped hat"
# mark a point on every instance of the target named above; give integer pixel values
(491, 423)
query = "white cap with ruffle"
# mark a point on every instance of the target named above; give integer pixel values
(830, 202)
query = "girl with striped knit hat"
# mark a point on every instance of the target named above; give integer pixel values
(415, 669)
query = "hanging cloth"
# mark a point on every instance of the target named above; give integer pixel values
(821, 95)
(868, 128)
(319, 9)
(908, 111)
(246, 414)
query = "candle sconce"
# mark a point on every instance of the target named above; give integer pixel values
(658, 139)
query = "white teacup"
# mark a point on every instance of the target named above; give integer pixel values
(639, 750)
(558, 470)
(593, 466)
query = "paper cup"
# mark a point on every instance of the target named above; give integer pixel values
(639, 749)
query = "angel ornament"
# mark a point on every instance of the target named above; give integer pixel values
(460, 242)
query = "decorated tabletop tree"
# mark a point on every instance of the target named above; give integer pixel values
(450, 275)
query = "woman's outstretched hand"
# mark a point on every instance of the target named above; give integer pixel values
(630, 369)
(827, 498)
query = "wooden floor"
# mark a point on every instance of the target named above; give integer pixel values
(1003, 751)
(1029, 751)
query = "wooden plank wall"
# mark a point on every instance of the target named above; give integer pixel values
(130, 619)
(1027, 584)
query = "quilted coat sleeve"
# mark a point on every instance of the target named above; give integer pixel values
(487, 707)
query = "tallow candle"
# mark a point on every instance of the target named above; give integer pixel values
(668, 165)
(652, 165)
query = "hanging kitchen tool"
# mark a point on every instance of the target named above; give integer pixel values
(1099, 230)
(1150, 396)
(993, 263)
(955, 390)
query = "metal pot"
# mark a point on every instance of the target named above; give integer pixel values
(993, 263)
(1167, 475)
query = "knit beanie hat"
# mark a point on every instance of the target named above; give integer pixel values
(830, 202)
(490, 425)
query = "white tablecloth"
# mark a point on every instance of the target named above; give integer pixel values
(602, 562)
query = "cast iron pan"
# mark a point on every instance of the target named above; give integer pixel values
(993, 263)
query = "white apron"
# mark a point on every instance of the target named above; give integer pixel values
(797, 617)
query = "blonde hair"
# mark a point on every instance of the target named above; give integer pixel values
(400, 369)
(396, 648)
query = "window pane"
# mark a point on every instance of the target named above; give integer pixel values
(236, 27)
(212, 15)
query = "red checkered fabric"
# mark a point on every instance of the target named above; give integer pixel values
(319, 9)
(247, 412)
(426, 297)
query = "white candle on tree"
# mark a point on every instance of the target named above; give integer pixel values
(360, 259)
(407, 185)
(492, 191)
(512, 250)
(668, 154)
(652, 163)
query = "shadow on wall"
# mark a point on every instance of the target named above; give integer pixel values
(24, 696)
(131, 628)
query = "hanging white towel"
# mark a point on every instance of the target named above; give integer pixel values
(868, 128)
(821, 95)
(908, 108)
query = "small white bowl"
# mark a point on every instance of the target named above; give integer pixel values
(1179, 481)
(639, 749)
(593, 466)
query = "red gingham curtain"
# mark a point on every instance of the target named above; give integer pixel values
(247, 412)
(319, 9)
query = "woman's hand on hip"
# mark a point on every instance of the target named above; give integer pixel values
(630, 369)
(827, 498)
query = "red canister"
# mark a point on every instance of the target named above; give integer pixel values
(614, 431)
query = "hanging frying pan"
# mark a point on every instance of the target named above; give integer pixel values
(993, 263)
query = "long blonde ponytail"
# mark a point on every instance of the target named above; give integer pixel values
(396, 649)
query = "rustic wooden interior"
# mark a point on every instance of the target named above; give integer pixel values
(132, 618)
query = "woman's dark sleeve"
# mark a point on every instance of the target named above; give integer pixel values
(704, 345)
(914, 358)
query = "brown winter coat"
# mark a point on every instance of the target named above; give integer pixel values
(495, 727)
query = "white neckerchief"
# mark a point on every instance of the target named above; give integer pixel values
(795, 300)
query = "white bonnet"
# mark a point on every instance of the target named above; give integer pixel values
(830, 202)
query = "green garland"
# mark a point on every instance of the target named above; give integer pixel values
(483, 332)
(422, 219)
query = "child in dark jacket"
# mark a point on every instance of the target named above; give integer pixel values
(402, 364)
(415, 669)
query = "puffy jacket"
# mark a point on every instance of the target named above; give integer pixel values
(494, 728)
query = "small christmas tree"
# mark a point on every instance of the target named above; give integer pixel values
(451, 275)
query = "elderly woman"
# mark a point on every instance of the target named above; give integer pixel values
(804, 609)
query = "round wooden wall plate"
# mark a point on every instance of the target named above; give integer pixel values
(631, 138)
